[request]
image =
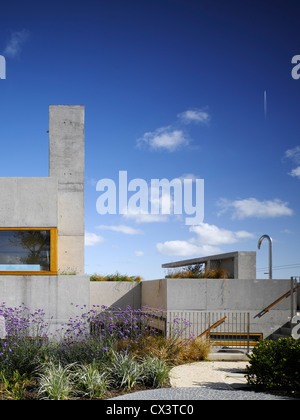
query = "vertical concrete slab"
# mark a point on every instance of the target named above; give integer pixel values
(66, 143)
(66, 164)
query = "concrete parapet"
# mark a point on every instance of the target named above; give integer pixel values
(232, 295)
(61, 297)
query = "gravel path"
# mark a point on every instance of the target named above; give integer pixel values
(189, 394)
(217, 380)
(217, 375)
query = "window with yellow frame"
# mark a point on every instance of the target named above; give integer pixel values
(28, 251)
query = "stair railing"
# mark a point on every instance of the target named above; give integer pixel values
(287, 294)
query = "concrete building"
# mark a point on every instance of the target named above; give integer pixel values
(42, 240)
(42, 225)
(239, 264)
(55, 202)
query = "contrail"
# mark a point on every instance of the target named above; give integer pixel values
(265, 103)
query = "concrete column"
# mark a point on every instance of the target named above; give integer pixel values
(66, 164)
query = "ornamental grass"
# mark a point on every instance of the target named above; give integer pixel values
(104, 350)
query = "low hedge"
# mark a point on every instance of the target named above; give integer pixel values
(275, 365)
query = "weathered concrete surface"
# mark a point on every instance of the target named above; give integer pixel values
(115, 293)
(214, 294)
(66, 164)
(232, 295)
(28, 202)
(66, 147)
(61, 297)
(70, 254)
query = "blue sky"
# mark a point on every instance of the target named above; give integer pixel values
(171, 88)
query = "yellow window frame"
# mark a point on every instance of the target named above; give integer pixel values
(53, 253)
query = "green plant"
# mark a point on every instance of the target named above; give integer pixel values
(197, 272)
(275, 365)
(24, 355)
(115, 277)
(90, 382)
(90, 350)
(155, 372)
(15, 385)
(124, 370)
(55, 381)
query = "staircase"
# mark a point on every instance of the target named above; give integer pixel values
(285, 331)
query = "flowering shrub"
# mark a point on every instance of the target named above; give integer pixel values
(113, 347)
(123, 324)
(25, 335)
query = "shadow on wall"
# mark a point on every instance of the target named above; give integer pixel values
(115, 293)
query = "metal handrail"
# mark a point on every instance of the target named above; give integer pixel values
(212, 327)
(279, 299)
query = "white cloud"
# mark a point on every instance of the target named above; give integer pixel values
(166, 138)
(251, 207)
(206, 242)
(139, 253)
(295, 172)
(184, 249)
(172, 137)
(127, 230)
(194, 116)
(15, 43)
(213, 235)
(293, 154)
(91, 239)
(287, 231)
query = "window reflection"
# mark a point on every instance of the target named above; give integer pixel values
(24, 250)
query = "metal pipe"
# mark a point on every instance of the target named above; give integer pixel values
(270, 251)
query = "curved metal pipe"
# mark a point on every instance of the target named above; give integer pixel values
(270, 251)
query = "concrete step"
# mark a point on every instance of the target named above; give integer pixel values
(285, 331)
(227, 356)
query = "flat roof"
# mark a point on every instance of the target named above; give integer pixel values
(201, 260)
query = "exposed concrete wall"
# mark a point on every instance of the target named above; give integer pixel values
(214, 294)
(154, 293)
(28, 202)
(58, 296)
(66, 164)
(115, 293)
(252, 295)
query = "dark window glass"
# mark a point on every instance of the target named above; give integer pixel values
(24, 250)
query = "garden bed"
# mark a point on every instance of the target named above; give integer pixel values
(125, 353)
